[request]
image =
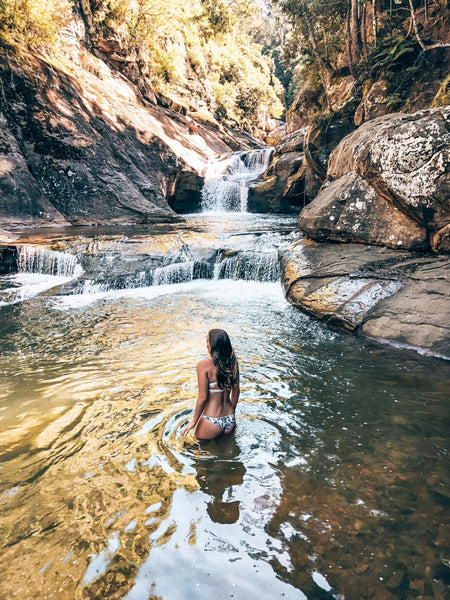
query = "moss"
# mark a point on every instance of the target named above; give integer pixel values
(442, 98)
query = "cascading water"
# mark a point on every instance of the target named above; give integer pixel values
(31, 259)
(99, 265)
(227, 180)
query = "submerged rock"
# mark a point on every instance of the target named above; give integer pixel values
(390, 295)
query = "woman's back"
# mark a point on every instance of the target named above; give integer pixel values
(218, 402)
(218, 389)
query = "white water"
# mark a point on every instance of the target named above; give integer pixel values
(227, 180)
(47, 262)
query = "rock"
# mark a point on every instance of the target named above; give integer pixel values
(23, 200)
(273, 137)
(373, 103)
(398, 296)
(293, 142)
(280, 191)
(108, 45)
(341, 91)
(6, 236)
(405, 158)
(187, 194)
(84, 146)
(350, 210)
(8, 257)
(306, 104)
(282, 188)
(320, 140)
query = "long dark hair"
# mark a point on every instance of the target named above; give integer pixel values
(224, 359)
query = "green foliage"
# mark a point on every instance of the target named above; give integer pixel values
(37, 22)
(395, 52)
(442, 98)
(187, 50)
(203, 40)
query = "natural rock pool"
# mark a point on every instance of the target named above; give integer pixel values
(335, 484)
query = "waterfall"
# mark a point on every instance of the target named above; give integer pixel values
(227, 180)
(174, 273)
(33, 259)
(249, 266)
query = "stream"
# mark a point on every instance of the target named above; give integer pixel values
(334, 485)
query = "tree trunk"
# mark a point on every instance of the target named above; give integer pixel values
(355, 31)
(349, 42)
(364, 29)
(374, 22)
(325, 69)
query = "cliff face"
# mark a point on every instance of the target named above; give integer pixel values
(79, 144)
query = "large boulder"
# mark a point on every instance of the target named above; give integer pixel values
(398, 296)
(281, 190)
(403, 159)
(350, 210)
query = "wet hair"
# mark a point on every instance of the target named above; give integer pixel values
(224, 359)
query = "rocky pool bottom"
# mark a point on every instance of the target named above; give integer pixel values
(335, 484)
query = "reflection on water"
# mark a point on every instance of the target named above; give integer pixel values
(335, 484)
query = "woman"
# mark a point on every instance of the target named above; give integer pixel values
(218, 389)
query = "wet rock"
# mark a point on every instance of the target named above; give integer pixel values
(282, 187)
(390, 295)
(187, 194)
(350, 210)
(280, 191)
(8, 258)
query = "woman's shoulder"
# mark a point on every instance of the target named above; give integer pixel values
(205, 364)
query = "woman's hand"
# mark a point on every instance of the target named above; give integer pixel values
(186, 429)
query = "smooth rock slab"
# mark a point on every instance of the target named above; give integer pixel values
(397, 296)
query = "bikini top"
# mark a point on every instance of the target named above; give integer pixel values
(214, 389)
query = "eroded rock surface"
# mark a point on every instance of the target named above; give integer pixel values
(80, 145)
(281, 189)
(390, 295)
(350, 210)
(405, 159)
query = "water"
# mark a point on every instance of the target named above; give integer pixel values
(226, 181)
(335, 484)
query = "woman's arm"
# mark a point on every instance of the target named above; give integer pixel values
(235, 391)
(201, 399)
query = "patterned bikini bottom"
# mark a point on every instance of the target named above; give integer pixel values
(225, 423)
